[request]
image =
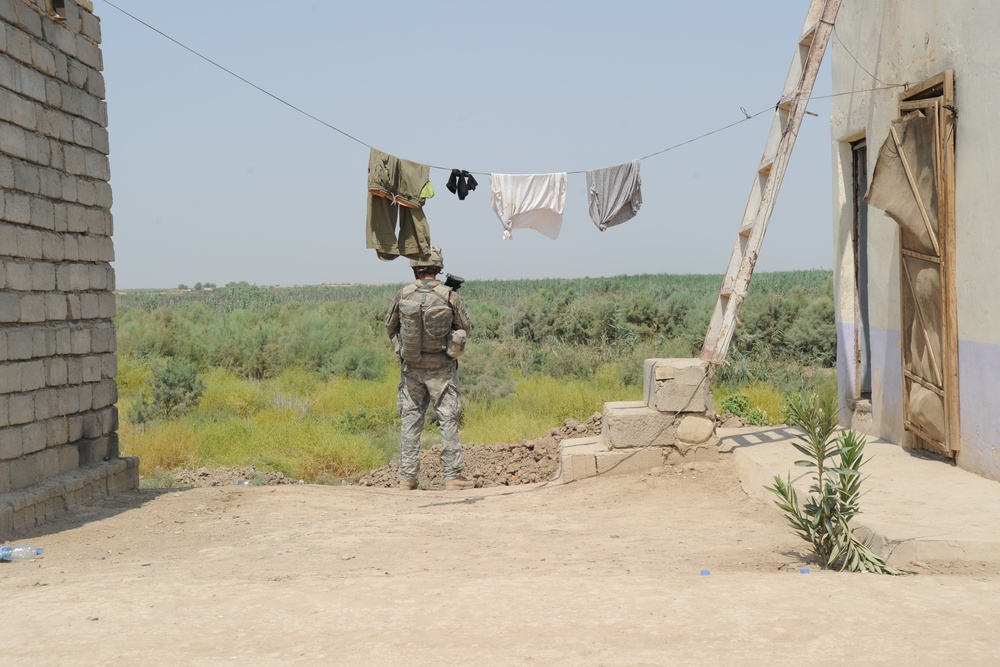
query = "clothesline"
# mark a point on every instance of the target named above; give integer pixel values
(747, 116)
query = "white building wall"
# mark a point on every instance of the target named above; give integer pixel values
(899, 41)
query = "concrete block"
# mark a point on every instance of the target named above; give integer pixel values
(69, 458)
(629, 424)
(76, 160)
(6, 172)
(706, 452)
(23, 472)
(72, 246)
(73, 306)
(108, 418)
(106, 251)
(102, 339)
(27, 178)
(55, 371)
(43, 402)
(33, 84)
(101, 142)
(17, 206)
(21, 408)
(105, 394)
(32, 308)
(86, 193)
(90, 26)
(577, 458)
(75, 423)
(63, 340)
(43, 277)
(10, 378)
(109, 366)
(8, 237)
(98, 166)
(74, 370)
(31, 22)
(622, 462)
(13, 142)
(106, 305)
(44, 342)
(18, 276)
(53, 91)
(32, 375)
(38, 149)
(34, 437)
(82, 133)
(91, 426)
(79, 277)
(10, 307)
(20, 344)
(88, 248)
(53, 247)
(92, 366)
(49, 183)
(3, 345)
(89, 54)
(29, 243)
(55, 307)
(42, 58)
(11, 443)
(43, 213)
(81, 341)
(85, 394)
(18, 46)
(4, 413)
(90, 308)
(677, 385)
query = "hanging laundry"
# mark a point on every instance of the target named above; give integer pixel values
(397, 190)
(461, 183)
(615, 194)
(529, 201)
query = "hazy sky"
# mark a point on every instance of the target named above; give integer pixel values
(215, 181)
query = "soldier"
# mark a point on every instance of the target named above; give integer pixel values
(428, 326)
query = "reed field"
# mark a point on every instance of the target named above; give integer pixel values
(302, 380)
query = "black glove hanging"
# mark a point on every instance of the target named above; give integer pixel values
(461, 182)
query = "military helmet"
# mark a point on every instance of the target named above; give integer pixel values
(433, 258)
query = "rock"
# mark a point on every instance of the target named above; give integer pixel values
(695, 430)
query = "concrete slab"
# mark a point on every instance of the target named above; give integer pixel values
(915, 508)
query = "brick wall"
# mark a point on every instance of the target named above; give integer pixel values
(58, 441)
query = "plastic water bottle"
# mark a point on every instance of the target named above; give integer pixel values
(19, 552)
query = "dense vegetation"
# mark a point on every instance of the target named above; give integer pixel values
(302, 379)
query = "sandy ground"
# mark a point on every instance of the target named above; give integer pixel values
(606, 571)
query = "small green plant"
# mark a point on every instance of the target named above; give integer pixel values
(739, 405)
(175, 388)
(834, 495)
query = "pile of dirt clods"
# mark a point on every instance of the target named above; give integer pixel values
(496, 465)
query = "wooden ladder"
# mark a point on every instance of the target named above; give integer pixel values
(788, 114)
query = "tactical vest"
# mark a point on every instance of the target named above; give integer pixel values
(425, 319)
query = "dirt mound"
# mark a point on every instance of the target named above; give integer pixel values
(496, 465)
(229, 476)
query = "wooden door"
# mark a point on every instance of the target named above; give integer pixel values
(914, 183)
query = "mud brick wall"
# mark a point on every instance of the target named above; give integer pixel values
(57, 338)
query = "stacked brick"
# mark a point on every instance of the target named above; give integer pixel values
(57, 338)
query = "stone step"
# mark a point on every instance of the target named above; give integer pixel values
(589, 457)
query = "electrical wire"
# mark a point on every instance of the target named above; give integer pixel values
(747, 116)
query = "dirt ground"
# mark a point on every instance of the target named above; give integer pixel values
(605, 571)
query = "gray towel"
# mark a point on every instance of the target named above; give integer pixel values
(615, 194)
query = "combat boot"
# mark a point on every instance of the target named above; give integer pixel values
(408, 484)
(458, 483)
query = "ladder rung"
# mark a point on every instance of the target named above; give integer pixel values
(726, 291)
(786, 105)
(765, 166)
(746, 229)
(806, 39)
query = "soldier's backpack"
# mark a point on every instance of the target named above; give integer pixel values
(425, 319)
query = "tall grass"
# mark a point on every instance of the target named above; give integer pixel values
(302, 380)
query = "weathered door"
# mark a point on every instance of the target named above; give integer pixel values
(914, 184)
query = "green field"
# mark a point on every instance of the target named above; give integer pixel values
(302, 380)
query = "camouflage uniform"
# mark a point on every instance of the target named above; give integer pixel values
(431, 381)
